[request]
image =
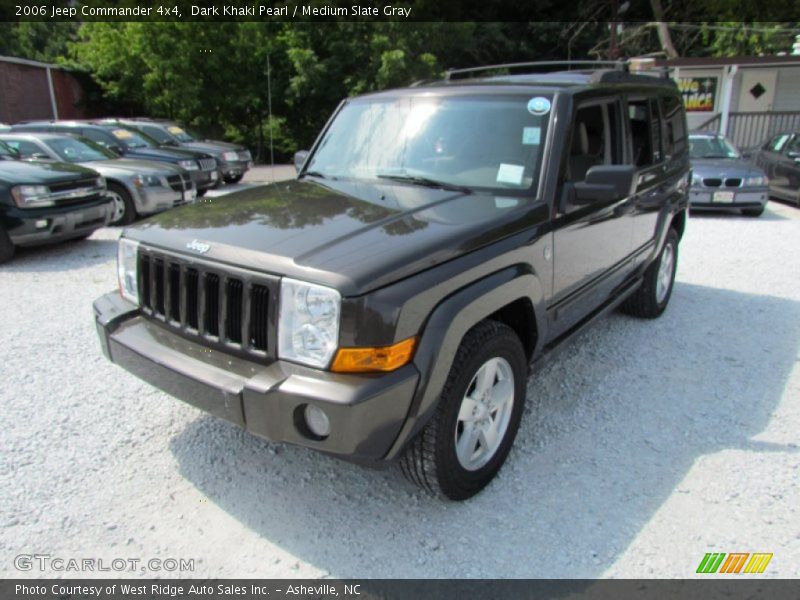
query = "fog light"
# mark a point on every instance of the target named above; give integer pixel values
(41, 223)
(317, 421)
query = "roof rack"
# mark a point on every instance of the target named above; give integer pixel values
(540, 66)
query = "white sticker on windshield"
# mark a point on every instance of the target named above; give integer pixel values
(501, 202)
(510, 173)
(531, 136)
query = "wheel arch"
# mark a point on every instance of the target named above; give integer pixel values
(510, 296)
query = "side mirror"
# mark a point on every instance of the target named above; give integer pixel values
(606, 182)
(116, 149)
(299, 159)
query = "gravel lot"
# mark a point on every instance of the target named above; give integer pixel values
(644, 444)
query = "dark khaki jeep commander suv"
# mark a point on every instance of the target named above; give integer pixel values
(385, 306)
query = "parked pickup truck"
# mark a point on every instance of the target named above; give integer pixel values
(44, 203)
(386, 305)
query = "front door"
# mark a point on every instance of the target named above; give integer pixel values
(592, 241)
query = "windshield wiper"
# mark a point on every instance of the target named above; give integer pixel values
(418, 180)
(317, 174)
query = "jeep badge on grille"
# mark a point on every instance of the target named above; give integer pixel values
(198, 246)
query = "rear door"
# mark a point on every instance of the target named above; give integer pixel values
(591, 242)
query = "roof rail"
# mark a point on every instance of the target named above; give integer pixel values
(549, 65)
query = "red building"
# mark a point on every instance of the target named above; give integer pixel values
(34, 90)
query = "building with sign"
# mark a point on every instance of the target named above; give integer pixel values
(749, 98)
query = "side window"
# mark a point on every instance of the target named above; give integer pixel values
(675, 126)
(25, 148)
(645, 132)
(595, 139)
(794, 146)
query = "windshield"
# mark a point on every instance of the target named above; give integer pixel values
(78, 150)
(133, 139)
(158, 134)
(711, 147)
(471, 141)
(6, 151)
(180, 133)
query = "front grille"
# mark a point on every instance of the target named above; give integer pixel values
(73, 185)
(179, 183)
(715, 182)
(215, 305)
(207, 164)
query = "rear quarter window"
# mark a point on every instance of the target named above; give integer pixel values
(675, 138)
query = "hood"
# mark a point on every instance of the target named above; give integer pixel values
(16, 172)
(132, 167)
(170, 154)
(355, 237)
(724, 167)
(213, 147)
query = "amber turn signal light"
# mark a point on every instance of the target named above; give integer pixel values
(384, 358)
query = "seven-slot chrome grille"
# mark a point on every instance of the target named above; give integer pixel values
(216, 305)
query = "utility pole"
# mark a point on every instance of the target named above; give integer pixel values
(613, 49)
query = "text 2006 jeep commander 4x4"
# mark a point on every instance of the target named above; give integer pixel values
(386, 304)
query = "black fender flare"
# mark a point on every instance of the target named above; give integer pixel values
(446, 327)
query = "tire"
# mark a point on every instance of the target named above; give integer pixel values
(124, 209)
(432, 459)
(651, 299)
(201, 193)
(753, 212)
(6, 247)
(234, 179)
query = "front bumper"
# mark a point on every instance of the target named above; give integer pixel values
(366, 412)
(728, 198)
(33, 226)
(234, 168)
(204, 180)
(155, 199)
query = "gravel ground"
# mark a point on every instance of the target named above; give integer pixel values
(644, 444)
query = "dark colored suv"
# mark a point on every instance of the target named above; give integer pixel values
(128, 143)
(45, 203)
(386, 305)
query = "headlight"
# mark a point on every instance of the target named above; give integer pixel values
(31, 196)
(189, 165)
(101, 182)
(697, 180)
(126, 270)
(755, 181)
(308, 326)
(230, 156)
(147, 181)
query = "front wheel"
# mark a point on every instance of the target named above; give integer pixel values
(469, 437)
(124, 211)
(651, 299)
